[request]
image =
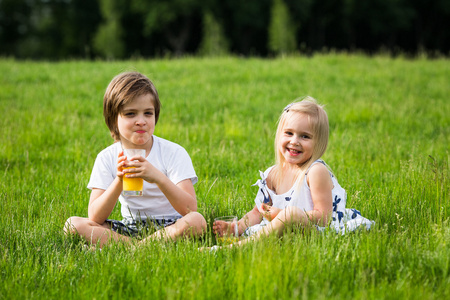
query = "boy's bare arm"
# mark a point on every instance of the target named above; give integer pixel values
(181, 195)
(101, 202)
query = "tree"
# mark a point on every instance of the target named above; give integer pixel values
(173, 19)
(52, 29)
(214, 42)
(281, 29)
(245, 24)
(15, 24)
(108, 40)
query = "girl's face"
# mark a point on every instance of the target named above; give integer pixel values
(296, 141)
(136, 123)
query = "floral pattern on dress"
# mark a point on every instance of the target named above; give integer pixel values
(261, 183)
(343, 219)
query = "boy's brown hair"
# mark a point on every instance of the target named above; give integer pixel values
(123, 89)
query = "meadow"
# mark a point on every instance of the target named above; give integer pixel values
(389, 148)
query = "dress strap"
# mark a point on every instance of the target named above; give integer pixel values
(317, 161)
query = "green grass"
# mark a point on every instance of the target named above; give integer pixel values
(389, 148)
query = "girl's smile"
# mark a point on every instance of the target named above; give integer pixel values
(294, 152)
(296, 143)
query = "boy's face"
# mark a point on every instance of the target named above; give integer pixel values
(136, 122)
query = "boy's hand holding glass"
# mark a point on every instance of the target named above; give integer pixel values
(132, 186)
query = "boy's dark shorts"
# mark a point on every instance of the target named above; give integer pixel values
(139, 228)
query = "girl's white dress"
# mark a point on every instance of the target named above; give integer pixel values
(343, 219)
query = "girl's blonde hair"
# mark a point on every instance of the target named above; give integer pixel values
(318, 120)
(123, 89)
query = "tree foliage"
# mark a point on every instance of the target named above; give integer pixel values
(174, 19)
(214, 42)
(281, 29)
(60, 29)
(108, 40)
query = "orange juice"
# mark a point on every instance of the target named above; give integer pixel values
(229, 232)
(132, 186)
(226, 240)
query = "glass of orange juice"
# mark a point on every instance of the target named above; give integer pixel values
(231, 234)
(133, 186)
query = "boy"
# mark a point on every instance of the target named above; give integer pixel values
(131, 109)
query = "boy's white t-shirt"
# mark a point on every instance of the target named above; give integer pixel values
(168, 157)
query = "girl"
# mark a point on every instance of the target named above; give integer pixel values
(299, 188)
(131, 109)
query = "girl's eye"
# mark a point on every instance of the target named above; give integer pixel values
(288, 133)
(306, 137)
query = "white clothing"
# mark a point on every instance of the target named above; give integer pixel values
(342, 218)
(168, 157)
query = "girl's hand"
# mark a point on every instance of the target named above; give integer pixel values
(269, 212)
(219, 227)
(141, 168)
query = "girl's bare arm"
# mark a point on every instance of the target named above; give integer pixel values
(253, 217)
(320, 184)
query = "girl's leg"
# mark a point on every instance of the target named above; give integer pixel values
(288, 216)
(92, 232)
(192, 224)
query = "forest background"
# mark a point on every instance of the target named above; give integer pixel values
(121, 29)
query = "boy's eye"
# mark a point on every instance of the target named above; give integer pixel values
(149, 113)
(129, 114)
